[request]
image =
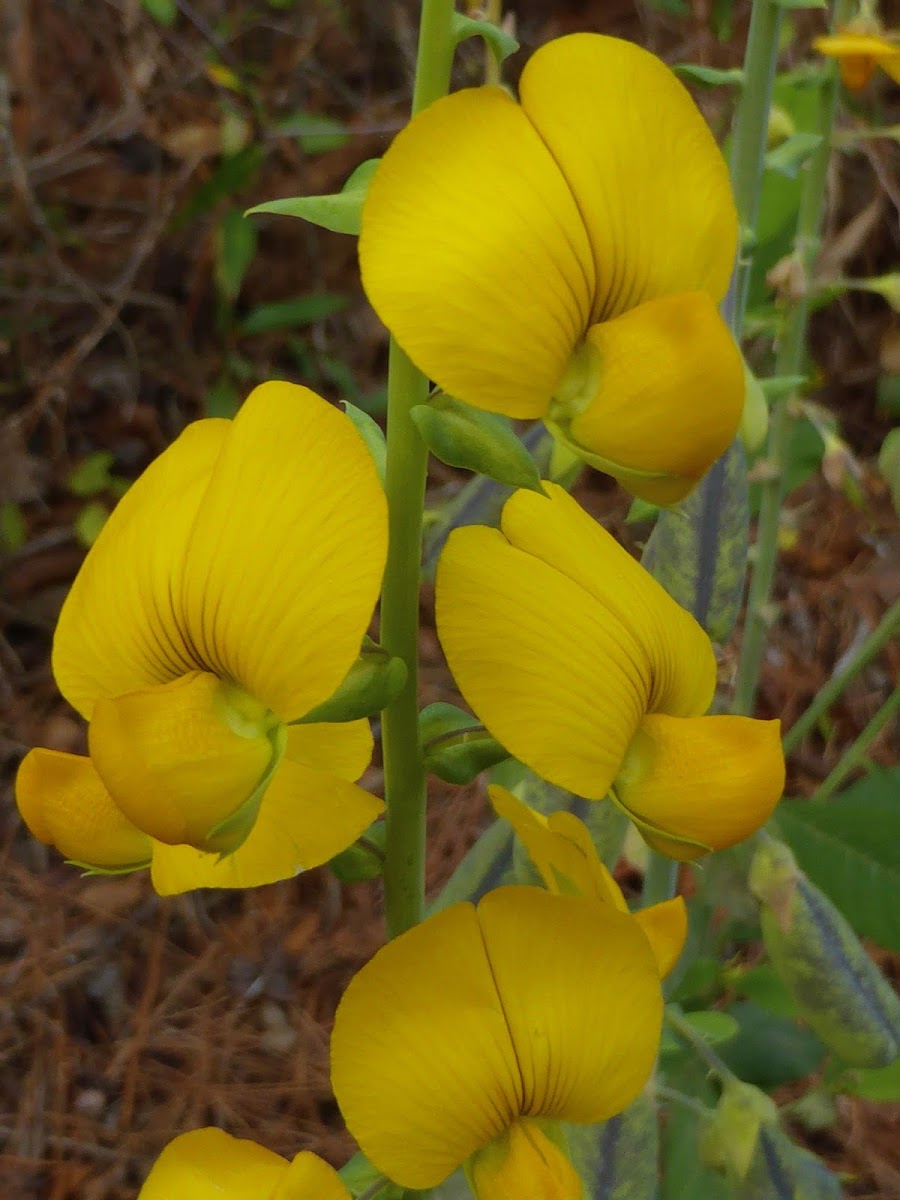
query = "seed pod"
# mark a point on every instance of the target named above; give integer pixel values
(835, 984)
(618, 1160)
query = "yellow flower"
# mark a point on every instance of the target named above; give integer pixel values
(208, 1164)
(226, 597)
(859, 48)
(562, 258)
(564, 854)
(467, 1038)
(586, 670)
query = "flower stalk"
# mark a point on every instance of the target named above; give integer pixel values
(856, 755)
(407, 458)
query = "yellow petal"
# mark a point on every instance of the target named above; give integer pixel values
(665, 926)
(64, 803)
(555, 529)
(837, 45)
(343, 749)
(561, 849)
(287, 551)
(710, 780)
(173, 760)
(580, 990)
(209, 1164)
(306, 817)
(421, 1060)
(120, 627)
(554, 677)
(474, 254)
(642, 164)
(310, 1178)
(663, 397)
(523, 1163)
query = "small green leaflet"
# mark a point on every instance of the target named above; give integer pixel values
(340, 212)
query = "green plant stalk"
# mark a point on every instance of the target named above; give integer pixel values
(660, 880)
(748, 145)
(887, 627)
(698, 1044)
(855, 755)
(407, 460)
(788, 361)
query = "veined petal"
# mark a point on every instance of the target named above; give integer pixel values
(305, 818)
(523, 1163)
(710, 780)
(665, 926)
(343, 749)
(665, 395)
(580, 991)
(646, 173)
(173, 762)
(474, 254)
(421, 1060)
(556, 529)
(209, 1164)
(287, 551)
(552, 674)
(120, 627)
(65, 804)
(561, 849)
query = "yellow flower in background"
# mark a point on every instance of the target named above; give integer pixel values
(562, 258)
(465, 1040)
(860, 48)
(585, 669)
(564, 854)
(209, 1164)
(226, 597)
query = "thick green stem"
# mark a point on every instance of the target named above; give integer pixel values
(880, 636)
(748, 145)
(407, 459)
(856, 755)
(788, 361)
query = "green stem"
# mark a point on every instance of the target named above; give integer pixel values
(856, 755)
(664, 1092)
(880, 635)
(788, 361)
(407, 460)
(748, 145)
(698, 1044)
(660, 880)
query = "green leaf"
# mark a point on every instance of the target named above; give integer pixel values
(887, 393)
(800, 3)
(791, 155)
(712, 76)
(92, 475)
(231, 175)
(222, 398)
(889, 465)
(465, 437)
(500, 43)
(289, 314)
(90, 521)
(235, 244)
(684, 1176)
(770, 1050)
(764, 986)
(317, 133)
(371, 433)
(164, 11)
(698, 549)
(456, 749)
(848, 847)
(13, 530)
(880, 1084)
(714, 1026)
(363, 860)
(340, 212)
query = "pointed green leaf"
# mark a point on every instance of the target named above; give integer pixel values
(371, 433)
(340, 212)
(712, 76)
(289, 314)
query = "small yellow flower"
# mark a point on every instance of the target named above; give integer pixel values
(208, 1164)
(564, 854)
(586, 670)
(860, 48)
(465, 1040)
(226, 597)
(562, 258)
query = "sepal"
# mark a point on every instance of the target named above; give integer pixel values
(369, 686)
(455, 749)
(466, 437)
(500, 43)
(340, 212)
(364, 860)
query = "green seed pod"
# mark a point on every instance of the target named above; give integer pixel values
(835, 984)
